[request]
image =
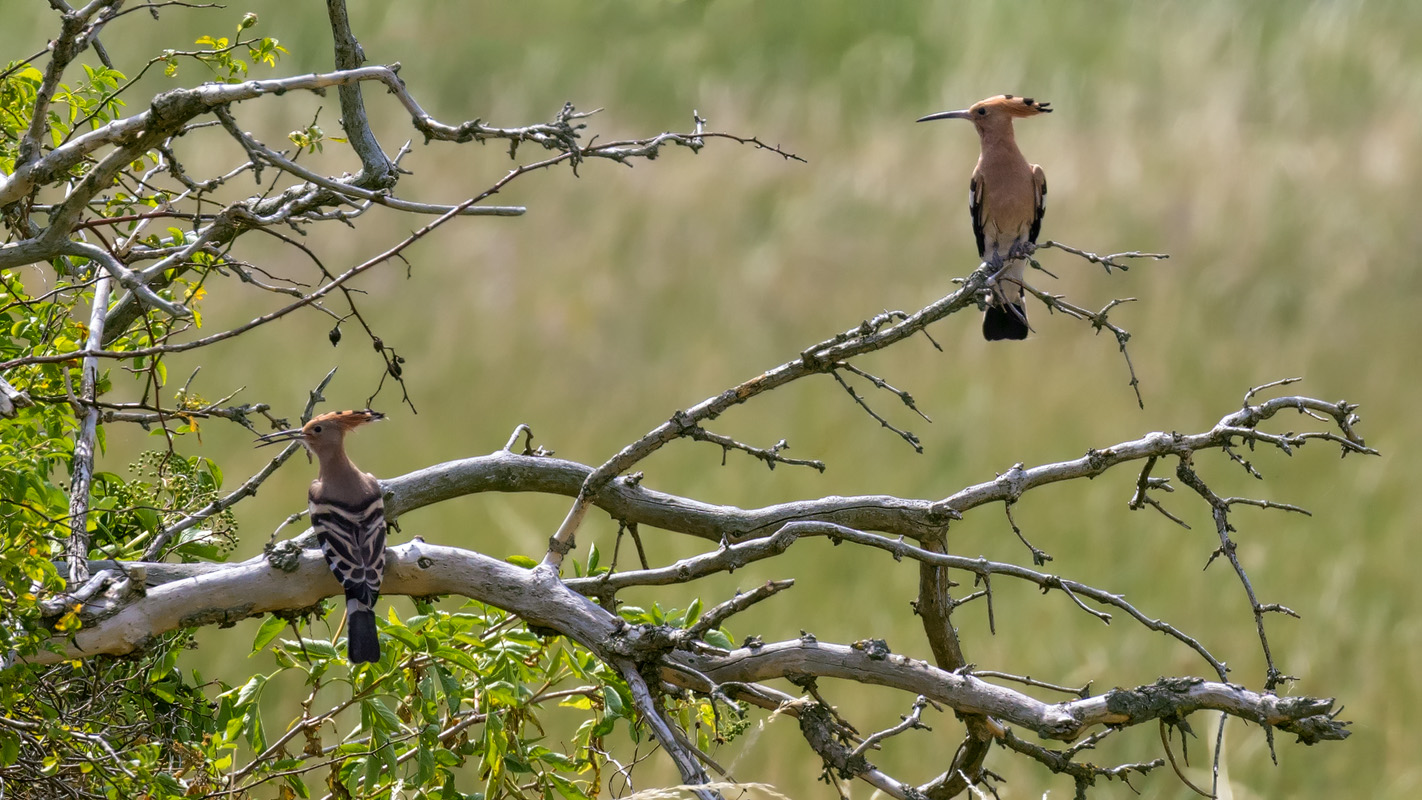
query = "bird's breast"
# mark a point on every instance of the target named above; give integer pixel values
(1009, 202)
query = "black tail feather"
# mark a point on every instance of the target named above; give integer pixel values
(362, 643)
(1005, 322)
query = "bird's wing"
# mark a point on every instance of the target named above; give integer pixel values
(1039, 185)
(352, 537)
(975, 208)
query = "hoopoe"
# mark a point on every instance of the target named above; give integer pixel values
(348, 515)
(1007, 197)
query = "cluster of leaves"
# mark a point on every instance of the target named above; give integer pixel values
(120, 728)
(218, 58)
(459, 697)
(73, 108)
(168, 486)
(103, 728)
(465, 703)
(37, 450)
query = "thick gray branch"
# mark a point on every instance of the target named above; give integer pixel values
(630, 501)
(377, 169)
(968, 694)
(541, 599)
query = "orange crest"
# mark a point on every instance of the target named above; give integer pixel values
(346, 420)
(1016, 106)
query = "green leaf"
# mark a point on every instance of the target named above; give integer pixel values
(163, 691)
(271, 627)
(315, 648)
(453, 692)
(613, 702)
(255, 730)
(424, 758)
(718, 638)
(577, 701)
(387, 753)
(251, 690)
(406, 636)
(603, 727)
(380, 715)
(567, 788)
(557, 759)
(298, 785)
(458, 657)
(211, 468)
(372, 773)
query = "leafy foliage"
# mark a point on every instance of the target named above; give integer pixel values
(466, 701)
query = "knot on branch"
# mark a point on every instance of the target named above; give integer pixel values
(942, 512)
(284, 555)
(683, 421)
(174, 107)
(1013, 481)
(644, 644)
(875, 649)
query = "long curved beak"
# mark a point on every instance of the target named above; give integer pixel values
(279, 437)
(964, 114)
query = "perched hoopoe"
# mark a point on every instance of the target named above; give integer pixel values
(348, 514)
(1006, 198)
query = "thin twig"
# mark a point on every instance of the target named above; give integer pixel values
(1170, 754)
(714, 617)
(907, 436)
(1109, 262)
(771, 456)
(910, 721)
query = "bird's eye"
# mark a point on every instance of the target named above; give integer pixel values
(316, 429)
(982, 111)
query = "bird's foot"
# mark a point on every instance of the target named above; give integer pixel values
(996, 265)
(1021, 250)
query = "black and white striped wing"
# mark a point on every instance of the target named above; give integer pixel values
(352, 537)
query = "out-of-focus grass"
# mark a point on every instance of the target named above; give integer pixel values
(1272, 149)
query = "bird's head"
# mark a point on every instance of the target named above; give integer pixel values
(324, 433)
(995, 111)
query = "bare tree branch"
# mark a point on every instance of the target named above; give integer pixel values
(537, 596)
(869, 336)
(82, 468)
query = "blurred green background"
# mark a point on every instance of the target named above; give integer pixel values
(1273, 149)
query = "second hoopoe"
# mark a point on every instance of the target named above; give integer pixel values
(1007, 197)
(348, 515)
